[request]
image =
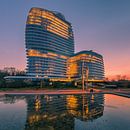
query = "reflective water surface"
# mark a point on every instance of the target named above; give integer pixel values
(64, 112)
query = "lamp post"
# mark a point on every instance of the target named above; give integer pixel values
(83, 75)
(85, 70)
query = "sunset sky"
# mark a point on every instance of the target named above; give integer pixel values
(99, 25)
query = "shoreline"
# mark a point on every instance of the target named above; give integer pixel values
(119, 92)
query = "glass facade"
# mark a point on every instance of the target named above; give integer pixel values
(49, 43)
(50, 49)
(87, 62)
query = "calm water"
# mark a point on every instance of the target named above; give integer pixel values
(64, 112)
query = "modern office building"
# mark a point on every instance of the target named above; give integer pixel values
(50, 50)
(49, 43)
(87, 63)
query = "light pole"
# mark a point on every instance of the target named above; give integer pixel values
(85, 70)
(83, 75)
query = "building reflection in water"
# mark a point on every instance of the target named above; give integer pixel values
(59, 112)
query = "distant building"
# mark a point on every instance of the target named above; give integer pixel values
(10, 70)
(49, 43)
(88, 63)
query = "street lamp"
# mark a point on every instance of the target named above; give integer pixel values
(85, 71)
(83, 75)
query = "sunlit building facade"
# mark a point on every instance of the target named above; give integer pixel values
(49, 42)
(87, 63)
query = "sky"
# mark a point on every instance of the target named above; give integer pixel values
(99, 25)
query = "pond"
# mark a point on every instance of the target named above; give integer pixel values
(64, 112)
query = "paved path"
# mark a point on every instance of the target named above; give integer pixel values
(119, 92)
(45, 92)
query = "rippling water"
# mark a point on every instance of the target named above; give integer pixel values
(64, 112)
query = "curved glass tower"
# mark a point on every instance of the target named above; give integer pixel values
(88, 62)
(49, 43)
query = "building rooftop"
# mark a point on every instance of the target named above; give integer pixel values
(56, 13)
(91, 52)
